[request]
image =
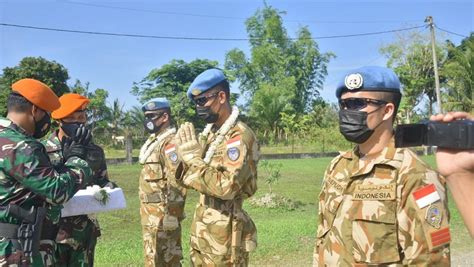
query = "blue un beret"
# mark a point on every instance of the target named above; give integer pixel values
(155, 104)
(205, 81)
(370, 78)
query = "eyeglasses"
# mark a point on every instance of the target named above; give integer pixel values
(359, 103)
(201, 101)
(153, 116)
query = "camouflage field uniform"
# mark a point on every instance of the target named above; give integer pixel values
(28, 179)
(371, 211)
(160, 195)
(77, 235)
(222, 233)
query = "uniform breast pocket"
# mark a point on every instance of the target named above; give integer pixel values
(374, 232)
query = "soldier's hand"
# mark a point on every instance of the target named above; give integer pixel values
(71, 148)
(83, 135)
(188, 147)
(453, 161)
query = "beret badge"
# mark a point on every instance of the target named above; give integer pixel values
(354, 81)
(195, 91)
(151, 105)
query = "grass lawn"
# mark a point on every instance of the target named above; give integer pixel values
(286, 238)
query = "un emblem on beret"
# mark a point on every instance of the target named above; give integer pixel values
(150, 105)
(195, 92)
(233, 153)
(353, 81)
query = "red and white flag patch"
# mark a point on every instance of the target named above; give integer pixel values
(440, 237)
(170, 148)
(426, 195)
(233, 142)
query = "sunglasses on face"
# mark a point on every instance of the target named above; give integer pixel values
(153, 116)
(359, 103)
(201, 101)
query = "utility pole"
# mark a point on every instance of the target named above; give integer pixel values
(429, 20)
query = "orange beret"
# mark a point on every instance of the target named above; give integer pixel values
(38, 93)
(70, 103)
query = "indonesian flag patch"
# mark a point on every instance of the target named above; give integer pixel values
(426, 196)
(170, 151)
(440, 237)
(170, 148)
(233, 142)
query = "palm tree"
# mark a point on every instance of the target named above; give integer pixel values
(116, 117)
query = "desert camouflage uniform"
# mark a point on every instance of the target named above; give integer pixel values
(222, 233)
(28, 179)
(77, 235)
(368, 213)
(160, 195)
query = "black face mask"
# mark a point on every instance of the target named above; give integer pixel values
(70, 128)
(42, 126)
(353, 125)
(150, 125)
(206, 114)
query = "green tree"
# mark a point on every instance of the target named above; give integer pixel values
(459, 70)
(172, 81)
(410, 56)
(97, 111)
(51, 73)
(281, 74)
(116, 118)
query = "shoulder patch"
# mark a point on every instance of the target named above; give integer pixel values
(170, 152)
(233, 142)
(440, 237)
(434, 216)
(426, 196)
(233, 153)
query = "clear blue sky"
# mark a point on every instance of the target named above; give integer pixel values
(114, 63)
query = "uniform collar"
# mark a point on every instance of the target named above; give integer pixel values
(7, 123)
(390, 156)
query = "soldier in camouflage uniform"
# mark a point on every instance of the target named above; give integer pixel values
(162, 199)
(29, 180)
(379, 205)
(222, 167)
(76, 235)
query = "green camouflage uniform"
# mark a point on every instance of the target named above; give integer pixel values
(77, 235)
(222, 233)
(28, 179)
(160, 195)
(371, 213)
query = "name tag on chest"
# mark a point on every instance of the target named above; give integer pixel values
(375, 192)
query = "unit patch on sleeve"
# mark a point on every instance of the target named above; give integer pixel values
(170, 152)
(232, 146)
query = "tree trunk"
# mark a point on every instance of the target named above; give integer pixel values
(129, 148)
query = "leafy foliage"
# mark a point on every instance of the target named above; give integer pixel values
(51, 73)
(459, 69)
(172, 81)
(410, 56)
(281, 75)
